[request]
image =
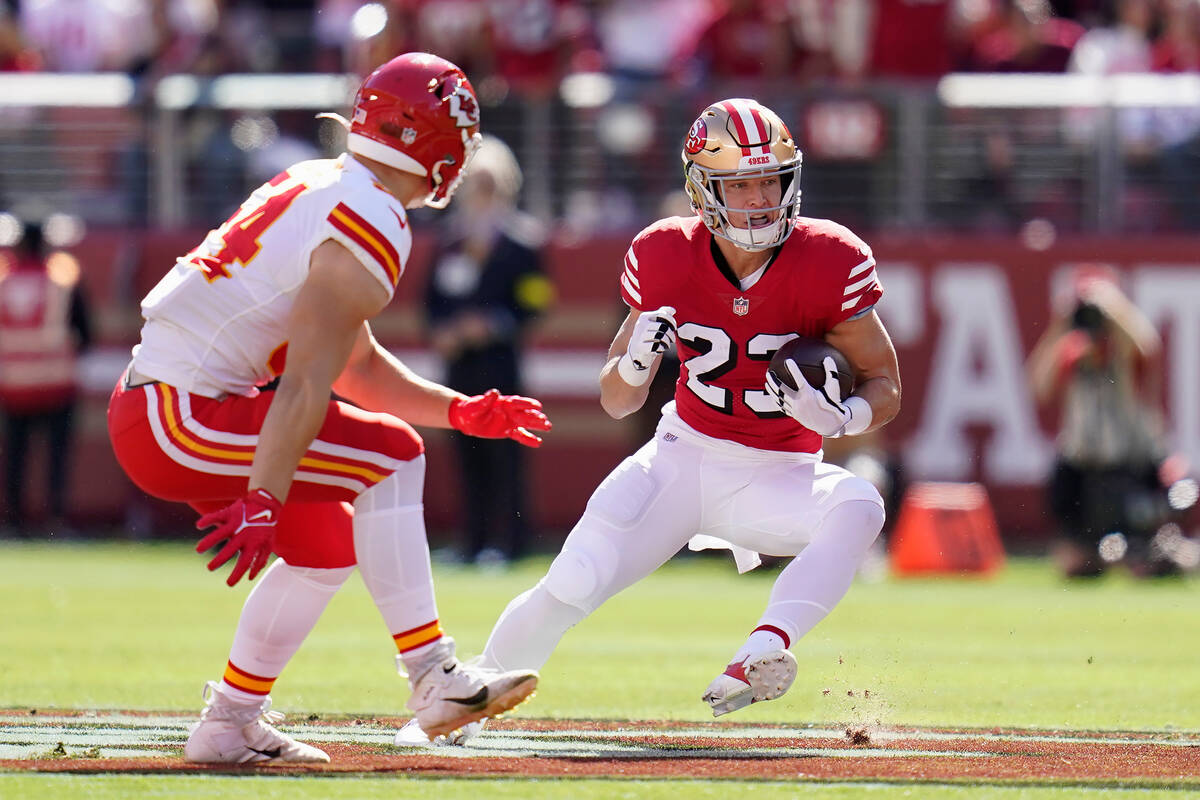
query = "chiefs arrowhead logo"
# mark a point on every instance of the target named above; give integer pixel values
(463, 107)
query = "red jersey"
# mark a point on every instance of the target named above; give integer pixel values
(822, 275)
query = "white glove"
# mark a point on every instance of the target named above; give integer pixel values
(821, 410)
(653, 335)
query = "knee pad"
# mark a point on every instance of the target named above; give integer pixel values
(857, 489)
(581, 574)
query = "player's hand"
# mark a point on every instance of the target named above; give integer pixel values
(653, 334)
(247, 526)
(820, 410)
(499, 416)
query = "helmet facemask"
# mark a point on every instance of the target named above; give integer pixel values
(706, 189)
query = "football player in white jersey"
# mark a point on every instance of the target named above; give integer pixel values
(736, 460)
(284, 289)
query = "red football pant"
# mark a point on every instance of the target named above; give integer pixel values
(197, 450)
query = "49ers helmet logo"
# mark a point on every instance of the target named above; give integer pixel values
(697, 137)
(463, 107)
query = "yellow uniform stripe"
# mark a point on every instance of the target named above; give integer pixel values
(247, 683)
(418, 636)
(381, 253)
(180, 436)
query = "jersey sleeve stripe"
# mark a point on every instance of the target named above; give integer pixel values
(369, 238)
(633, 293)
(632, 278)
(859, 285)
(863, 267)
(853, 301)
(631, 260)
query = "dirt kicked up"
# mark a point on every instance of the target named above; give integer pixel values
(110, 742)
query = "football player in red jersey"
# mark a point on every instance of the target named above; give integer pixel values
(736, 460)
(285, 289)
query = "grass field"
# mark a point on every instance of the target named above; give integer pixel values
(121, 626)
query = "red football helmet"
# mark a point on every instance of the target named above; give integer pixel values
(418, 113)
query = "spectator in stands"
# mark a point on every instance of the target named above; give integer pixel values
(745, 40)
(533, 43)
(1177, 49)
(89, 36)
(15, 53)
(1031, 39)
(44, 325)
(486, 286)
(1098, 356)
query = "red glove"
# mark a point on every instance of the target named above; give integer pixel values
(499, 416)
(249, 525)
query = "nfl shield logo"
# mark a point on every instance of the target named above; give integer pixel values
(741, 306)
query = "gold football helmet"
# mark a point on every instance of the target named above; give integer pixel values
(741, 138)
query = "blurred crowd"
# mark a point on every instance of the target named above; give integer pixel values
(529, 45)
(842, 72)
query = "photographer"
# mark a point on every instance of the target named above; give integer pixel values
(1099, 360)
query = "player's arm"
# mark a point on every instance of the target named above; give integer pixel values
(633, 360)
(378, 381)
(866, 344)
(326, 326)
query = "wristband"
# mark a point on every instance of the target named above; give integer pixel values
(860, 416)
(630, 373)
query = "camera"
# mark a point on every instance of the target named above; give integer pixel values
(1087, 317)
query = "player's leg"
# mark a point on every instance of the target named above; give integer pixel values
(393, 556)
(638, 517)
(278, 615)
(839, 516)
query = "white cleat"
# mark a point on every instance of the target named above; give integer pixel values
(449, 694)
(764, 676)
(411, 735)
(243, 733)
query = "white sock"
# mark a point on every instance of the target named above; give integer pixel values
(529, 629)
(393, 557)
(278, 615)
(808, 588)
(762, 640)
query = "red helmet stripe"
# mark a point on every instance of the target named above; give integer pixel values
(762, 129)
(739, 124)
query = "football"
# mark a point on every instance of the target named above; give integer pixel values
(809, 355)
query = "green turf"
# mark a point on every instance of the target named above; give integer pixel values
(137, 626)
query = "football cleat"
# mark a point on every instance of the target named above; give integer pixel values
(411, 735)
(243, 733)
(448, 694)
(764, 676)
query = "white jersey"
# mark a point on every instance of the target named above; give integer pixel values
(216, 323)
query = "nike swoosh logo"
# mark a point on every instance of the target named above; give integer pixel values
(403, 223)
(479, 698)
(274, 752)
(449, 669)
(264, 514)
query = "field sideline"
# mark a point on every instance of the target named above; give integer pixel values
(139, 627)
